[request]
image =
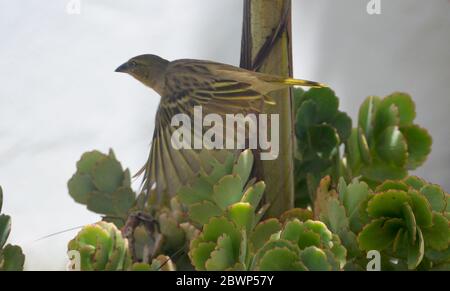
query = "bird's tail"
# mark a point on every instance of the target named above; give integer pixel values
(298, 82)
(290, 81)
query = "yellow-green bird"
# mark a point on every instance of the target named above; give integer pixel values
(183, 84)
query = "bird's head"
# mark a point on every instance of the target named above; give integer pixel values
(148, 69)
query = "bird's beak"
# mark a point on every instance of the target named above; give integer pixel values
(123, 68)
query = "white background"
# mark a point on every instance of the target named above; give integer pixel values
(59, 95)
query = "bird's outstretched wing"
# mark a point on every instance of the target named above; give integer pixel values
(217, 88)
(168, 168)
(187, 86)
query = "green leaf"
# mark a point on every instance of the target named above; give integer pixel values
(379, 234)
(107, 175)
(244, 166)
(320, 228)
(437, 236)
(88, 161)
(123, 199)
(101, 203)
(436, 197)
(352, 151)
(296, 213)
(363, 147)
(335, 216)
(218, 226)
(326, 101)
(201, 190)
(263, 231)
(5, 229)
(221, 257)
(200, 254)
(416, 251)
(392, 185)
(299, 233)
(405, 105)
(292, 231)
(421, 208)
(388, 204)
(279, 259)
(220, 170)
(415, 182)
(298, 98)
(228, 191)
(410, 222)
(242, 214)
(13, 258)
(324, 140)
(367, 113)
(203, 211)
(385, 117)
(380, 171)
(315, 259)
(254, 194)
(343, 124)
(392, 147)
(80, 185)
(419, 145)
(305, 118)
(354, 196)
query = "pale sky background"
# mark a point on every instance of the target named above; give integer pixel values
(60, 97)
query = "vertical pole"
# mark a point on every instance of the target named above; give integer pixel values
(266, 47)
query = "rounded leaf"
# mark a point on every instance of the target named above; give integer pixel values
(202, 212)
(392, 147)
(315, 259)
(80, 185)
(242, 214)
(244, 166)
(88, 161)
(379, 234)
(263, 231)
(107, 175)
(405, 105)
(228, 191)
(419, 145)
(280, 259)
(388, 204)
(5, 229)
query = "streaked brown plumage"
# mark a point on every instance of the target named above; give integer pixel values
(183, 84)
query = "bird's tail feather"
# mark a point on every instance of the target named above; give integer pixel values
(290, 81)
(297, 82)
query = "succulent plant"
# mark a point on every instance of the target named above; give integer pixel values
(218, 192)
(103, 186)
(226, 244)
(386, 143)
(101, 248)
(406, 220)
(232, 236)
(167, 231)
(320, 129)
(301, 246)
(11, 256)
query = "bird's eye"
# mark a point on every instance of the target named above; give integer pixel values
(133, 63)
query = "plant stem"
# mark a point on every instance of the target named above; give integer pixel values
(266, 47)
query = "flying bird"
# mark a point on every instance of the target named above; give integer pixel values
(182, 85)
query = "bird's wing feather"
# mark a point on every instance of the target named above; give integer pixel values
(218, 88)
(169, 168)
(190, 83)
